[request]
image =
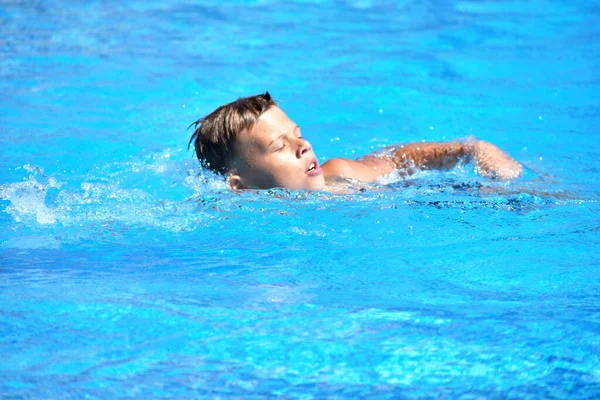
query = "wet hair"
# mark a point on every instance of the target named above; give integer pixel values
(216, 133)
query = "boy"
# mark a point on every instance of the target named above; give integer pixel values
(255, 144)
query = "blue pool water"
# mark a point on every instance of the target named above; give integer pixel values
(127, 271)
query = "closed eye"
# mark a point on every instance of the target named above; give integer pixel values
(277, 145)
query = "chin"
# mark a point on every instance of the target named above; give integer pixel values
(318, 185)
(312, 183)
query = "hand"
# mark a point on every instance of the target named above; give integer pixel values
(494, 163)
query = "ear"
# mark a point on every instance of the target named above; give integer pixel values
(235, 182)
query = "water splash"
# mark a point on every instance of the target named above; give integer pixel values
(28, 198)
(146, 195)
(153, 195)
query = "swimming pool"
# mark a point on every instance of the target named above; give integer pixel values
(127, 271)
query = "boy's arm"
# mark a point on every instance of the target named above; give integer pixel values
(489, 160)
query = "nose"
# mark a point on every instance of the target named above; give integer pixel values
(303, 147)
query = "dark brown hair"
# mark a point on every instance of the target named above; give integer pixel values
(215, 134)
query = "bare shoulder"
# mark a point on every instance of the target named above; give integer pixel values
(367, 169)
(338, 167)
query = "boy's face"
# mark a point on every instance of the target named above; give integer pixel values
(273, 154)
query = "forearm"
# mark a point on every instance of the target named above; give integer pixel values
(431, 155)
(407, 158)
(489, 160)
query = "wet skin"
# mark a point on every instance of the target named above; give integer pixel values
(273, 153)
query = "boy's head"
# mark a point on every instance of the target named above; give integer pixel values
(253, 142)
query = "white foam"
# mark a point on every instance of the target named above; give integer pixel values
(28, 198)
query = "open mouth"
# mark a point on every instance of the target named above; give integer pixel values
(313, 168)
